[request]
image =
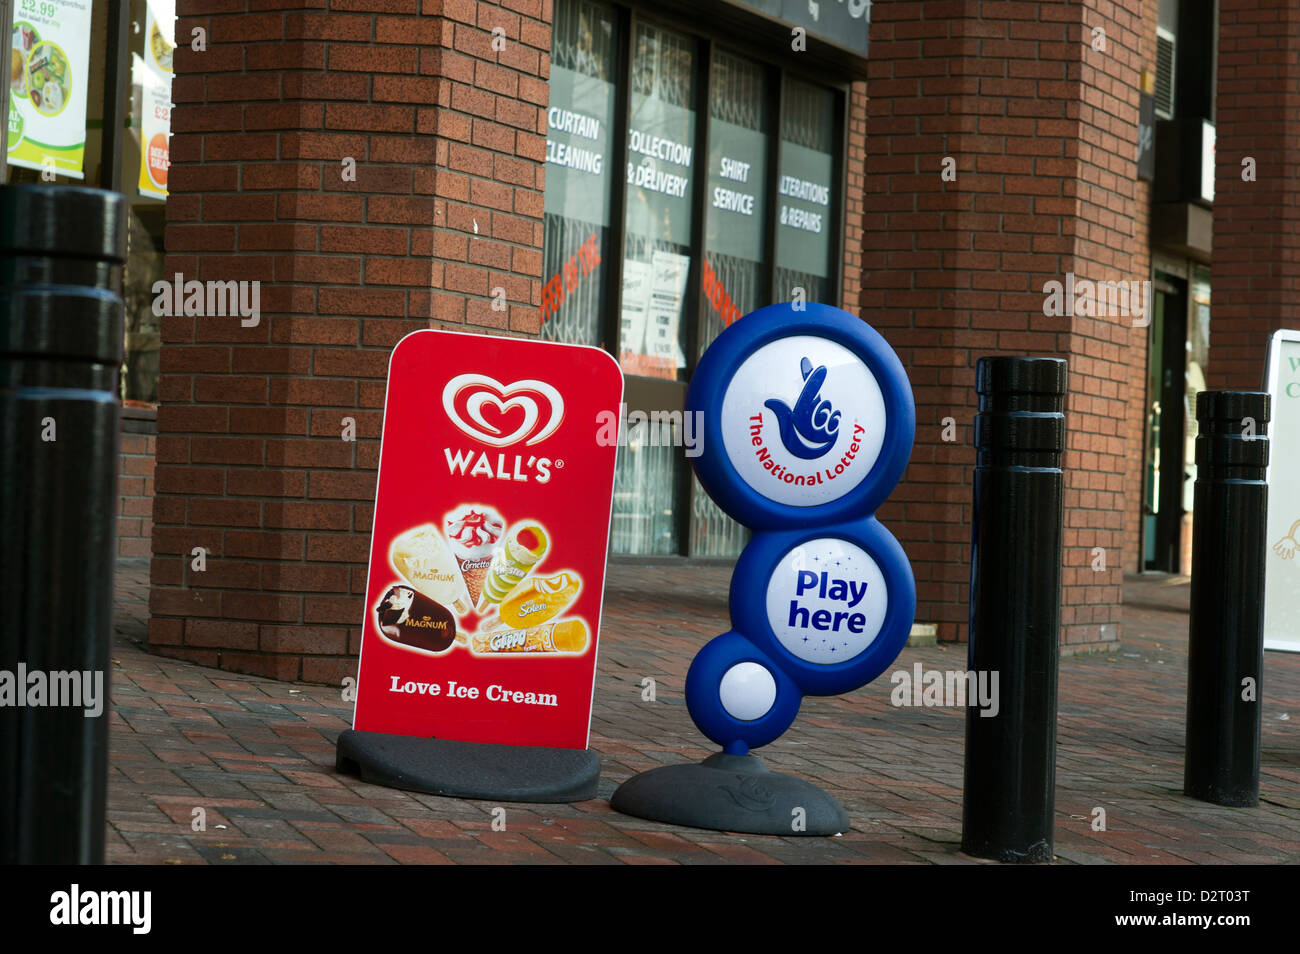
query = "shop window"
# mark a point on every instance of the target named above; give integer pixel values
(735, 274)
(805, 192)
(579, 149)
(660, 179)
(725, 201)
(658, 217)
(62, 78)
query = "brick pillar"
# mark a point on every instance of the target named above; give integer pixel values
(1042, 133)
(856, 152)
(447, 138)
(1256, 271)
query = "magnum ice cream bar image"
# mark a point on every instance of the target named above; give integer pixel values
(425, 560)
(566, 636)
(524, 546)
(539, 599)
(474, 532)
(413, 620)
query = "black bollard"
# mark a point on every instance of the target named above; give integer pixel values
(62, 251)
(1015, 617)
(1226, 627)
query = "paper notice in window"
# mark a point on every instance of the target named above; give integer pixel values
(664, 311)
(636, 288)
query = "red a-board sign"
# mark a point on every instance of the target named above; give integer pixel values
(487, 560)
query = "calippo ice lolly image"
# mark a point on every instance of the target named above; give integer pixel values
(566, 636)
(474, 531)
(540, 599)
(425, 560)
(524, 546)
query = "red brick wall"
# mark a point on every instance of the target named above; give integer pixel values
(135, 488)
(854, 209)
(1255, 275)
(448, 139)
(1043, 131)
(1135, 350)
(1111, 243)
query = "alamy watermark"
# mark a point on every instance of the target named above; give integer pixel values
(38, 689)
(955, 688)
(208, 299)
(656, 429)
(1089, 299)
(127, 908)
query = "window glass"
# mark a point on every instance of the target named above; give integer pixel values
(645, 484)
(579, 148)
(734, 279)
(146, 162)
(767, 226)
(660, 168)
(656, 275)
(806, 193)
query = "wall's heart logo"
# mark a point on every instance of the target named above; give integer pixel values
(503, 414)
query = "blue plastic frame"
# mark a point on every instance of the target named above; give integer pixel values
(724, 357)
(779, 528)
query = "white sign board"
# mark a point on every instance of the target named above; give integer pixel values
(1282, 560)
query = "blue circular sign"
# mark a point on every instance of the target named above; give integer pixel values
(808, 421)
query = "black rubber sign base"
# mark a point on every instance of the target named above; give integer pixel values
(507, 773)
(731, 793)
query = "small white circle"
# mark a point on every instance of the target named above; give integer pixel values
(803, 420)
(826, 601)
(747, 691)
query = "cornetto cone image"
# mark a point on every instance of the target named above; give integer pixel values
(474, 532)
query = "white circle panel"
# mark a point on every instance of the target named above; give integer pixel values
(803, 420)
(747, 691)
(826, 601)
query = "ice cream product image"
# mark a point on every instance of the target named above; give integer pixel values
(524, 547)
(474, 532)
(539, 599)
(414, 621)
(425, 560)
(566, 636)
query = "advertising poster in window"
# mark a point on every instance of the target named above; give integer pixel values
(668, 273)
(636, 290)
(49, 63)
(737, 177)
(577, 146)
(155, 81)
(661, 155)
(803, 220)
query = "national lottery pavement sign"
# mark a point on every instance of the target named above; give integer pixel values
(808, 422)
(487, 569)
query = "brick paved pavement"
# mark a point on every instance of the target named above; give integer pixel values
(258, 757)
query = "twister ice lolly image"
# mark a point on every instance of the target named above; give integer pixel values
(524, 547)
(425, 560)
(537, 600)
(474, 531)
(566, 636)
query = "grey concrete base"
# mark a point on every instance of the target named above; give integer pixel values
(731, 793)
(507, 773)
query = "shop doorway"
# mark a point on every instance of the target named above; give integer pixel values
(1165, 466)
